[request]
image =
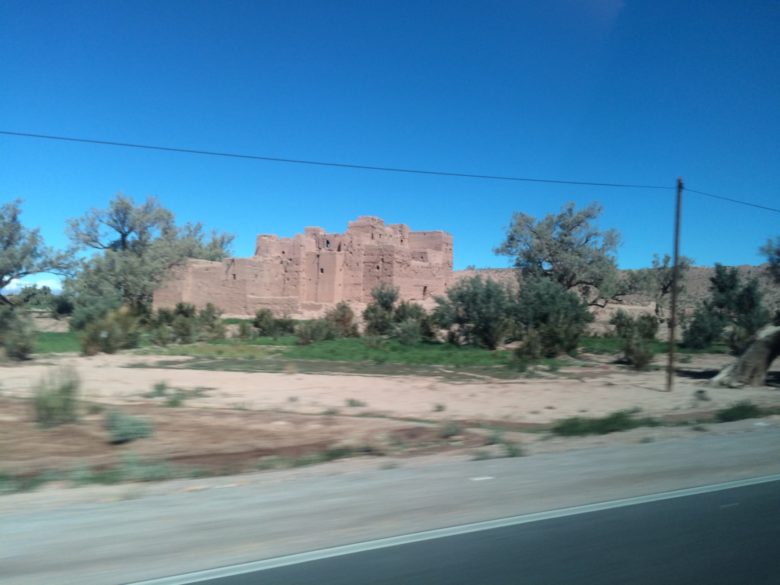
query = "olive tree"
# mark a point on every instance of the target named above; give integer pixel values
(135, 246)
(23, 251)
(764, 346)
(568, 248)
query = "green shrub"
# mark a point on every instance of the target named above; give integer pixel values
(549, 318)
(185, 329)
(55, 401)
(117, 330)
(245, 330)
(406, 311)
(450, 429)
(17, 335)
(740, 410)
(407, 332)
(706, 328)
(209, 323)
(265, 323)
(475, 311)
(162, 335)
(343, 319)
(617, 421)
(637, 335)
(123, 428)
(315, 330)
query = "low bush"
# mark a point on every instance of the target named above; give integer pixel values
(705, 328)
(549, 319)
(475, 312)
(407, 332)
(17, 335)
(56, 399)
(123, 428)
(245, 330)
(637, 335)
(740, 410)
(119, 329)
(343, 320)
(315, 330)
(210, 326)
(617, 421)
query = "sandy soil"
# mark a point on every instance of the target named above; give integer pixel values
(229, 420)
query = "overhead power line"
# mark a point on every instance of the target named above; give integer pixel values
(373, 167)
(329, 164)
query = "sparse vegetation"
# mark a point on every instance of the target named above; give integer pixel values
(741, 410)
(617, 421)
(354, 403)
(124, 428)
(450, 429)
(56, 399)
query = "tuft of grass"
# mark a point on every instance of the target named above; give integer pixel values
(331, 411)
(124, 428)
(617, 421)
(354, 403)
(450, 429)
(175, 400)
(439, 407)
(739, 411)
(512, 449)
(159, 390)
(56, 398)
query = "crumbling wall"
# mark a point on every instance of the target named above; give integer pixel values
(317, 269)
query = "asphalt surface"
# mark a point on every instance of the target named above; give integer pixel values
(102, 535)
(724, 537)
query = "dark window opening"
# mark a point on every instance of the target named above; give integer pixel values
(377, 266)
(327, 243)
(339, 248)
(322, 271)
(425, 291)
(234, 276)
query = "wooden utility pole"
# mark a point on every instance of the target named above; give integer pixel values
(675, 288)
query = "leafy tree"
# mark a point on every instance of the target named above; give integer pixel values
(567, 248)
(550, 319)
(735, 305)
(136, 245)
(656, 281)
(23, 252)
(772, 252)
(475, 311)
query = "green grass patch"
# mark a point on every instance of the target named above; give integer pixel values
(742, 410)
(390, 351)
(621, 420)
(57, 342)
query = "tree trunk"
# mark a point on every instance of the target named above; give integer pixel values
(751, 367)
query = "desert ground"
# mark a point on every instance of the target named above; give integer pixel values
(211, 422)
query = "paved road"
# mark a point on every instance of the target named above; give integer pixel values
(121, 534)
(723, 537)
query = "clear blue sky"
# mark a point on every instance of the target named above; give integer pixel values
(636, 92)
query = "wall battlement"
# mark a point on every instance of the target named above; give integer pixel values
(317, 269)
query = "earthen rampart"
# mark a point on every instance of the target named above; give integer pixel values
(315, 270)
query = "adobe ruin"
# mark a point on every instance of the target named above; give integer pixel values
(314, 270)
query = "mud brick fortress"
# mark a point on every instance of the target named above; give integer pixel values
(315, 270)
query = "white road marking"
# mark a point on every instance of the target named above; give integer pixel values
(337, 551)
(482, 478)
